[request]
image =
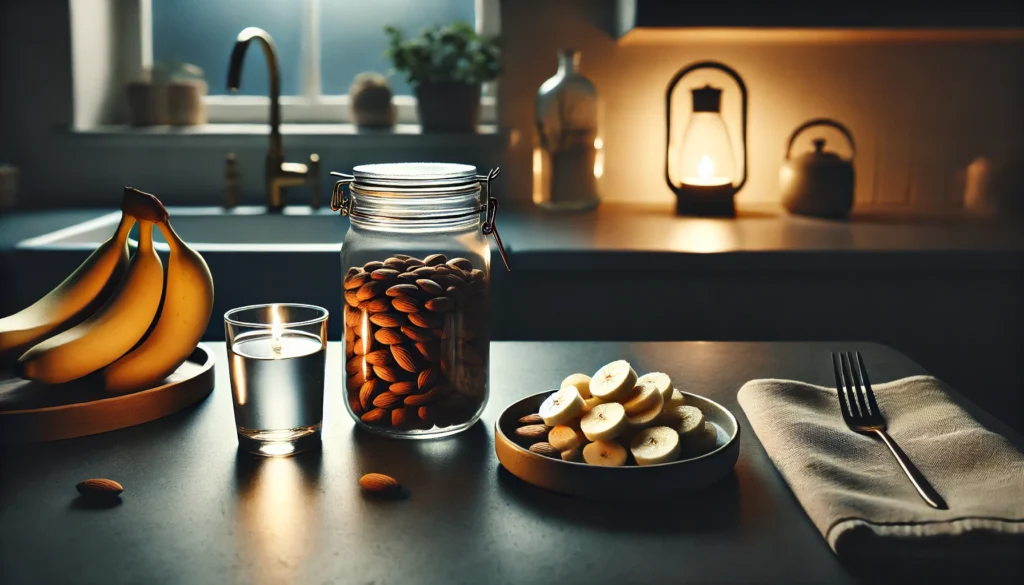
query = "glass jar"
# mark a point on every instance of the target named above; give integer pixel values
(416, 264)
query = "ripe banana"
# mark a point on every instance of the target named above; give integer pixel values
(604, 422)
(73, 300)
(187, 304)
(645, 396)
(605, 453)
(561, 407)
(655, 445)
(661, 381)
(110, 332)
(580, 381)
(613, 382)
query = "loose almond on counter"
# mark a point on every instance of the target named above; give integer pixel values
(378, 483)
(100, 489)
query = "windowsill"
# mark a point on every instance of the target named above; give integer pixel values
(331, 135)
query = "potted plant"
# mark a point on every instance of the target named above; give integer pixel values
(445, 66)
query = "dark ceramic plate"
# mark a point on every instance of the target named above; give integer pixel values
(613, 483)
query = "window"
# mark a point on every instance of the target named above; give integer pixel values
(321, 45)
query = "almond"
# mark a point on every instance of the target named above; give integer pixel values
(430, 287)
(533, 431)
(438, 304)
(435, 259)
(411, 263)
(354, 365)
(400, 416)
(370, 290)
(352, 272)
(531, 419)
(424, 413)
(402, 388)
(454, 293)
(423, 272)
(386, 400)
(352, 298)
(429, 351)
(420, 399)
(408, 277)
(360, 347)
(405, 304)
(353, 403)
(381, 357)
(375, 415)
(356, 280)
(385, 274)
(378, 483)
(99, 489)
(425, 320)
(477, 275)
(545, 449)
(395, 263)
(387, 319)
(388, 336)
(426, 378)
(375, 306)
(371, 266)
(356, 381)
(460, 263)
(386, 373)
(366, 393)
(417, 333)
(404, 358)
(402, 289)
(449, 280)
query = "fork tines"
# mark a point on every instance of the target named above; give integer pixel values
(856, 398)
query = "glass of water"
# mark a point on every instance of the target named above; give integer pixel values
(276, 359)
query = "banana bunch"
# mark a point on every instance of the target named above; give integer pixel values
(602, 420)
(125, 320)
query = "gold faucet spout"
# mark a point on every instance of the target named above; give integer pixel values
(273, 72)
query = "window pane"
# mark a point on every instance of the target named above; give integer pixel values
(203, 32)
(353, 41)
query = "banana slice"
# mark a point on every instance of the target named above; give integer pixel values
(565, 437)
(574, 454)
(701, 442)
(647, 417)
(580, 381)
(604, 422)
(691, 421)
(605, 453)
(655, 445)
(613, 382)
(674, 399)
(562, 406)
(645, 396)
(661, 381)
(590, 403)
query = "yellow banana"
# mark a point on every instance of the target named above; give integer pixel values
(73, 300)
(188, 302)
(109, 333)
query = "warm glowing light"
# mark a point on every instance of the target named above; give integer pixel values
(598, 158)
(706, 174)
(598, 143)
(275, 329)
(706, 167)
(277, 449)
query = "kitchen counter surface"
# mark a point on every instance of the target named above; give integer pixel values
(196, 511)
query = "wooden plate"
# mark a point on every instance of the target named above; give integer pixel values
(612, 483)
(31, 412)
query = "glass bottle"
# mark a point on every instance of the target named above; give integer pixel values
(568, 154)
(416, 265)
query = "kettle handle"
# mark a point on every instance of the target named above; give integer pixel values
(822, 122)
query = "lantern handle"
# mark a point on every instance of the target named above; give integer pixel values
(668, 114)
(822, 122)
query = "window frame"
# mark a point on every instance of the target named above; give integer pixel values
(313, 106)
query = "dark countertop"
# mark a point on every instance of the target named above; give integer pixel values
(195, 511)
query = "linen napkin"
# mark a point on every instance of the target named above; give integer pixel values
(857, 496)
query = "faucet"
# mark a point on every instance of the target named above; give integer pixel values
(279, 174)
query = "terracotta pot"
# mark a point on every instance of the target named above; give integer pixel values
(448, 107)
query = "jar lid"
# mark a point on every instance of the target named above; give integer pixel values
(419, 174)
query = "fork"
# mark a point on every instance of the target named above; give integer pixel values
(861, 413)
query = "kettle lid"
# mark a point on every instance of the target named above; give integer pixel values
(819, 143)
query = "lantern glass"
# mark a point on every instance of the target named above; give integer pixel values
(706, 157)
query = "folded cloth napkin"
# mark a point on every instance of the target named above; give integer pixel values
(858, 497)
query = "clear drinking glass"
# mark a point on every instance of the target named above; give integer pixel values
(277, 359)
(417, 274)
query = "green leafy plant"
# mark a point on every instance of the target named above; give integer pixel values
(445, 54)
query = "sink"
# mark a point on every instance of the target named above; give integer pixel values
(208, 229)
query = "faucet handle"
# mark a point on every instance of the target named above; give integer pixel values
(313, 180)
(231, 181)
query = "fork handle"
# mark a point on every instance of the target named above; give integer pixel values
(928, 493)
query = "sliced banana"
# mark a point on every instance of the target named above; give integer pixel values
(574, 454)
(691, 421)
(655, 445)
(675, 399)
(604, 422)
(661, 381)
(613, 381)
(645, 396)
(565, 437)
(590, 403)
(647, 417)
(605, 453)
(580, 381)
(562, 406)
(701, 442)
